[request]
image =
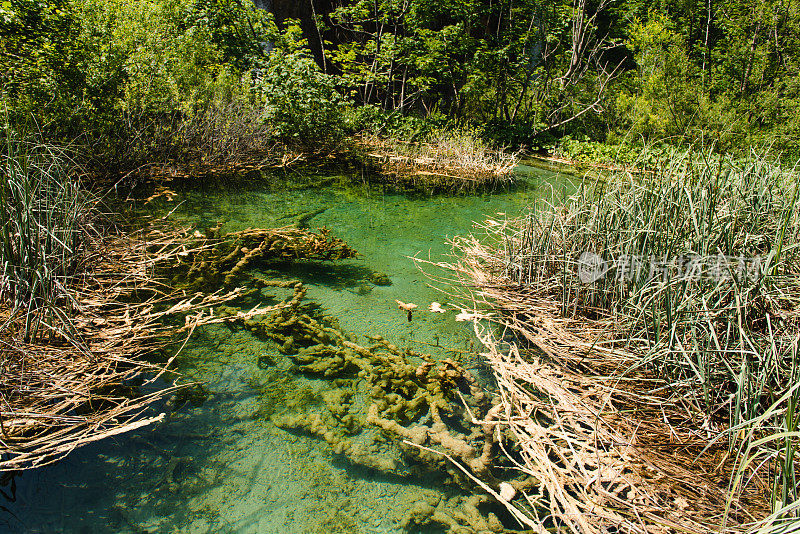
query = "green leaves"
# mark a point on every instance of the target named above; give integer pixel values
(238, 29)
(301, 103)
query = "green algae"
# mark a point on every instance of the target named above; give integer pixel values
(380, 279)
(380, 404)
(278, 392)
(215, 260)
(377, 390)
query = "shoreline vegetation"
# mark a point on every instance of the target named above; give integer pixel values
(82, 312)
(451, 162)
(658, 402)
(90, 318)
(692, 377)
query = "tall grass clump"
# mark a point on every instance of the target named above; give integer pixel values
(681, 284)
(696, 263)
(44, 222)
(83, 315)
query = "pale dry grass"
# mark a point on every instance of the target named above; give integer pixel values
(608, 450)
(98, 379)
(655, 404)
(454, 161)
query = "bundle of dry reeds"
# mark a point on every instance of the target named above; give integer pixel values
(652, 403)
(452, 162)
(608, 449)
(64, 389)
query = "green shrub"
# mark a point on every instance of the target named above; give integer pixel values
(302, 104)
(41, 60)
(129, 77)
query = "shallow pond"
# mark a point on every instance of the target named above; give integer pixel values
(219, 464)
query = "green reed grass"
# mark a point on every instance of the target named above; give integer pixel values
(725, 337)
(771, 439)
(44, 221)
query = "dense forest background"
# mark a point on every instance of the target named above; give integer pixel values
(140, 80)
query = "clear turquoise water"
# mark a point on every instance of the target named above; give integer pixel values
(221, 466)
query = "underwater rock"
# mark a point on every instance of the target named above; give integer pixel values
(380, 279)
(364, 289)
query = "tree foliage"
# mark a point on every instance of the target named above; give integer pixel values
(300, 102)
(128, 77)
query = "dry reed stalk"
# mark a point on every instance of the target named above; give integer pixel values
(603, 460)
(73, 388)
(446, 163)
(611, 448)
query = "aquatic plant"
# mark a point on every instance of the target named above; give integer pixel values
(45, 223)
(82, 385)
(636, 350)
(217, 261)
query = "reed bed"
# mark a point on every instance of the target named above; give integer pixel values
(452, 162)
(89, 321)
(653, 382)
(97, 380)
(81, 312)
(43, 229)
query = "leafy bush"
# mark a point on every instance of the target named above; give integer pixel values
(41, 61)
(301, 102)
(369, 120)
(615, 152)
(136, 80)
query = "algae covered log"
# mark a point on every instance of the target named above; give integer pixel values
(222, 260)
(376, 394)
(382, 395)
(383, 403)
